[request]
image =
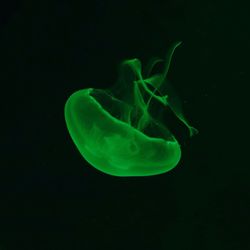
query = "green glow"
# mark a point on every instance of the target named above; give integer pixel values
(113, 128)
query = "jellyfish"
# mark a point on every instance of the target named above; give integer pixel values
(115, 129)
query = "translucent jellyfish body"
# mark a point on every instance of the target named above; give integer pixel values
(114, 129)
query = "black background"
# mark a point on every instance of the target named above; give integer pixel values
(50, 198)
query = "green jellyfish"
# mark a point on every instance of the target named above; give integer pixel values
(115, 130)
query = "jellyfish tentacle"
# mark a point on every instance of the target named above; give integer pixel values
(169, 57)
(151, 64)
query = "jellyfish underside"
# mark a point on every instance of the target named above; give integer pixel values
(114, 129)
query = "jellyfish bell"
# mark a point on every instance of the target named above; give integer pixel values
(113, 146)
(111, 127)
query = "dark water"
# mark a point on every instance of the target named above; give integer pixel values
(50, 198)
